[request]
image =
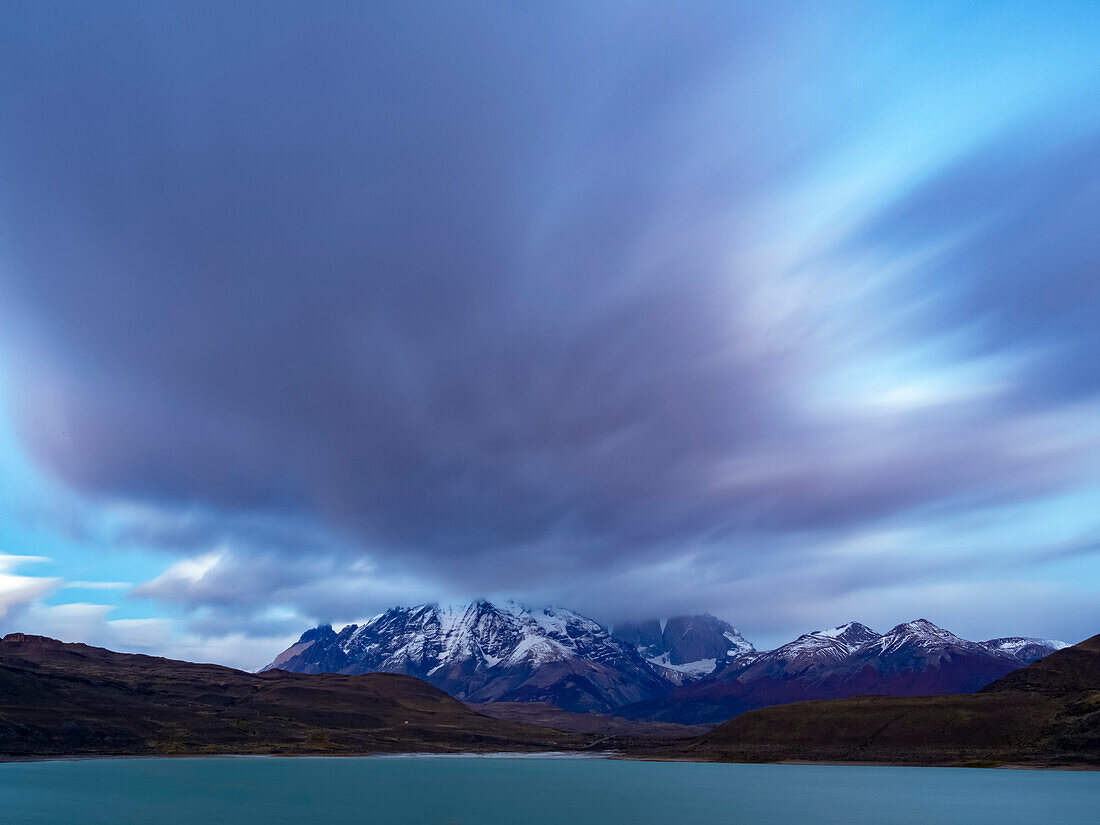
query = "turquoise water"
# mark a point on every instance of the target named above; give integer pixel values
(530, 791)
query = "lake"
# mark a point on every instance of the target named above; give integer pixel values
(449, 790)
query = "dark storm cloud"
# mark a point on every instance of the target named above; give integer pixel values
(462, 284)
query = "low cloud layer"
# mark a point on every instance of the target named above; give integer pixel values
(491, 300)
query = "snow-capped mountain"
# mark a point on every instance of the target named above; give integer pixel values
(919, 638)
(1024, 648)
(818, 649)
(479, 652)
(686, 669)
(689, 646)
(920, 658)
(912, 659)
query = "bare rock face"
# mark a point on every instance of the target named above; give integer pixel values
(646, 635)
(687, 648)
(691, 638)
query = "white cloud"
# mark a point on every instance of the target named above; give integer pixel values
(10, 562)
(91, 624)
(189, 571)
(16, 590)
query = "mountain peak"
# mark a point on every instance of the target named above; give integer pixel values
(1026, 649)
(691, 646)
(854, 626)
(821, 646)
(479, 651)
(315, 633)
(926, 631)
(922, 623)
(924, 639)
(853, 633)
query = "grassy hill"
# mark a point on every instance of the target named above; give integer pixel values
(60, 699)
(1047, 713)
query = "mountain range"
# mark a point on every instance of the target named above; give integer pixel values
(1047, 713)
(687, 669)
(59, 699)
(914, 658)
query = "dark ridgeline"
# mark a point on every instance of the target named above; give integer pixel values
(59, 699)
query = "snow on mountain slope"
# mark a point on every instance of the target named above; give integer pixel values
(818, 647)
(919, 635)
(481, 652)
(691, 670)
(912, 659)
(687, 669)
(921, 657)
(738, 646)
(1024, 648)
(923, 636)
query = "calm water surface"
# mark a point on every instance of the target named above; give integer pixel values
(530, 791)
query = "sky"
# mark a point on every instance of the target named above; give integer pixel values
(788, 312)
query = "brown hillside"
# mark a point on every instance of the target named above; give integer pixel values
(60, 698)
(1046, 713)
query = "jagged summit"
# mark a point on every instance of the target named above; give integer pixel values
(690, 646)
(822, 646)
(852, 633)
(911, 659)
(922, 634)
(484, 652)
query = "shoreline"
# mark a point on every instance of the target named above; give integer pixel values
(608, 755)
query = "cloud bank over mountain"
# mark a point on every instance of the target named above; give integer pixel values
(340, 308)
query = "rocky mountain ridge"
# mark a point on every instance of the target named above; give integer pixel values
(688, 669)
(914, 658)
(691, 646)
(484, 653)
